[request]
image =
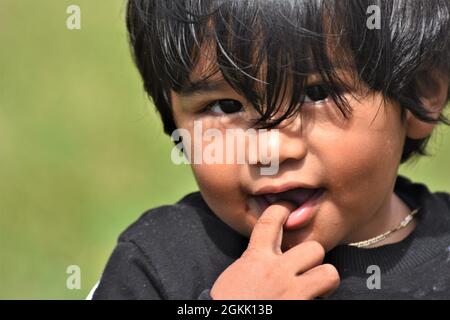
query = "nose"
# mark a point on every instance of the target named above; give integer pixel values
(288, 143)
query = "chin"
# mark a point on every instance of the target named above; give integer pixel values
(295, 237)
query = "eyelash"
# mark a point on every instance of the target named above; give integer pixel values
(211, 105)
(324, 88)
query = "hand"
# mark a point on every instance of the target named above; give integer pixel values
(265, 272)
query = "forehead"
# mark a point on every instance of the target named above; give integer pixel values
(207, 71)
(260, 52)
(207, 75)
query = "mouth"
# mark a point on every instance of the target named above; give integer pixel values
(304, 200)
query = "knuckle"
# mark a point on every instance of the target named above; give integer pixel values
(268, 218)
(317, 248)
(331, 274)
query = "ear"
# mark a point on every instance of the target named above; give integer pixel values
(432, 88)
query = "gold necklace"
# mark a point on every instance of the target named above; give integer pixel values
(403, 224)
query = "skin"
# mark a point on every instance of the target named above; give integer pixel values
(355, 160)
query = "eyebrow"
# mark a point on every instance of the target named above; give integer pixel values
(202, 86)
(205, 86)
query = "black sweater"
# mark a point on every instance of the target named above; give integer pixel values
(178, 251)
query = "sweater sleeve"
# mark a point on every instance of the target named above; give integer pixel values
(129, 275)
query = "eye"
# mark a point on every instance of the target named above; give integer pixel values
(316, 93)
(225, 106)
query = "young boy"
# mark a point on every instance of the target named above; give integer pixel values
(354, 88)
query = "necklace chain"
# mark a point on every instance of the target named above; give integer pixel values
(403, 224)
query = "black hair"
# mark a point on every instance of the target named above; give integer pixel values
(293, 38)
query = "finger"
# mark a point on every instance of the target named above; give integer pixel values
(268, 230)
(320, 281)
(304, 256)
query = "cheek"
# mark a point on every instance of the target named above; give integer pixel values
(220, 186)
(217, 179)
(361, 160)
(359, 164)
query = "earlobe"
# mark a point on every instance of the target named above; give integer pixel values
(432, 89)
(417, 129)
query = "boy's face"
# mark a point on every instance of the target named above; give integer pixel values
(355, 160)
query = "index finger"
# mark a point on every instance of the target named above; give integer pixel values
(268, 230)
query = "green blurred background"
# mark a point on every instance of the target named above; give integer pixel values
(82, 152)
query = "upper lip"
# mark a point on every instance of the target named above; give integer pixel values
(283, 187)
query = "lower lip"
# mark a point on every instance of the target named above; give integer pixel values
(303, 214)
